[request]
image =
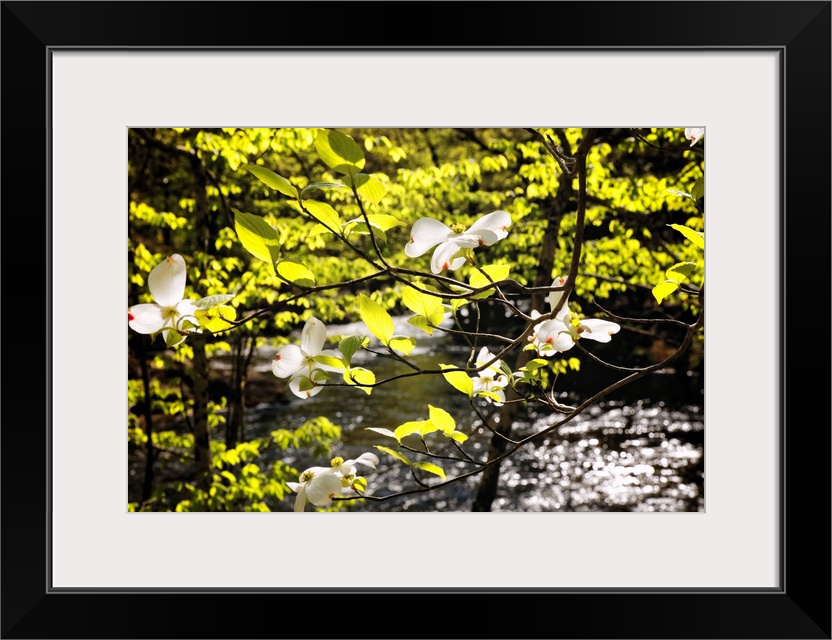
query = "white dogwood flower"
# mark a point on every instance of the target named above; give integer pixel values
(306, 376)
(456, 240)
(320, 485)
(491, 380)
(694, 134)
(560, 333)
(167, 286)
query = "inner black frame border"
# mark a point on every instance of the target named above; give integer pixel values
(31, 31)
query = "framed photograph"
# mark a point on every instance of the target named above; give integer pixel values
(90, 88)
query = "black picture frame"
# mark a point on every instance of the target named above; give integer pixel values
(799, 608)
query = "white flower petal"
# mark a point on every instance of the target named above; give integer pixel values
(167, 281)
(146, 318)
(313, 337)
(300, 499)
(496, 221)
(487, 237)
(426, 233)
(367, 459)
(445, 257)
(288, 361)
(556, 334)
(555, 296)
(187, 309)
(599, 330)
(322, 488)
(693, 134)
(295, 486)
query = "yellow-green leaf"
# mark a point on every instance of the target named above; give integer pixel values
(359, 376)
(408, 428)
(430, 468)
(295, 273)
(403, 344)
(459, 436)
(680, 271)
(664, 289)
(318, 230)
(257, 237)
(273, 180)
(496, 272)
(420, 303)
(376, 318)
(459, 380)
(367, 186)
(383, 221)
(425, 324)
(324, 213)
(694, 236)
(395, 454)
(331, 361)
(442, 419)
(340, 152)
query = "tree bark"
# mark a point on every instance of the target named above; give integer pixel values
(561, 203)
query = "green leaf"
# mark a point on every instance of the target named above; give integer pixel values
(430, 468)
(384, 432)
(173, 338)
(359, 376)
(459, 380)
(459, 436)
(331, 361)
(325, 214)
(274, 181)
(680, 271)
(306, 384)
(228, 476)
(403, 344)
(442, 419)
(258, 238)
(395, 454)
(360, 484)
(296, 273)
(349, 345)
(694, 236)
(312, 186)
(698, 190)
(664, 289)
(408, 428)
(213, 301)
(421, 303)
(340, 152)
(376, 318)
(367, 186)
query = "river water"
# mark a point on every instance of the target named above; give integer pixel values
(641, 452)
